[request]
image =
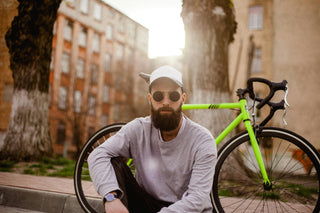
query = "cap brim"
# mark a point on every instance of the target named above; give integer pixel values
(145, 77)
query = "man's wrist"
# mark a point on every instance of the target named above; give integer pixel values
(111, 196)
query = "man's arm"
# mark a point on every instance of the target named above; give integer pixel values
(115, 206)
(200, 185)
(99, 161)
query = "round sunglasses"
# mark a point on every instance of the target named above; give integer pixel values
(159, 95)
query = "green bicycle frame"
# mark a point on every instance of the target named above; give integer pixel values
(243, 116)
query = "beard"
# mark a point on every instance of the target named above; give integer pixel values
(166, 122)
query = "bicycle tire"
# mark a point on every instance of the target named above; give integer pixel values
(83, 186)
(293, 167)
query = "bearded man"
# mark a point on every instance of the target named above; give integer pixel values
(174, 157)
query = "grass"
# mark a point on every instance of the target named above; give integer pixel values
(6, 166)
(59, 167)
(302, 190)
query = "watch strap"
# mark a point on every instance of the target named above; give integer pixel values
(110, 197)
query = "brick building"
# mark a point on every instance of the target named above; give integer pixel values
(97, 55)
(280, 40)
(7, 12)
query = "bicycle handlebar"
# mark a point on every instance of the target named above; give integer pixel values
(273, 88)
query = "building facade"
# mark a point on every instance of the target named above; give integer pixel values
(97, 55)
(280, 40)
(8, 9)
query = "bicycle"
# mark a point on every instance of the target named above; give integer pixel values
(272, 169)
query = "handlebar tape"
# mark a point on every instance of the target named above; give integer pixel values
(274, 86)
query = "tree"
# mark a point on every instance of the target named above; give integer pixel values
(209, 28)
(30, 45)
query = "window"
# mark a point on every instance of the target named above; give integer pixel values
(255, 17)
(130, 57)
(104, 120)
(82, 37)
(109, 32)
(80, 68)
(121, 25)
(54, 28)
(62, 98)
(52, 58)
(84, 6)
(49, 94)
(96, 43)
(142, 37)
(90, 131)
(132, 31)
(77, 101)
(97, 11)
(65, 63)
(8, 93)
(120, 52)
(67, 34)
(107, 63)
(94, 73)
(92, 103)
(110, 13)
(61, 133)
(105, 93)
(256, 65)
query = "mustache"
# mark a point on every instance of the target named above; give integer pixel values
(165, 109)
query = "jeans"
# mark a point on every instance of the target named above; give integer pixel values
(135, 198)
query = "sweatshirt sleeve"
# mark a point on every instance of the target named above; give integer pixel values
(196, 198)
(99, 161)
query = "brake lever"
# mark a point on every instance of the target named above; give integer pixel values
(286, 106)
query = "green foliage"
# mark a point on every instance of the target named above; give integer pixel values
(302, 190)
(225, 192)
(59, 167)
(6, 166)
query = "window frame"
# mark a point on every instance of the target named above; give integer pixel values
(255, 17)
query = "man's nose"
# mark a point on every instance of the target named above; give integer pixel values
(166, 100)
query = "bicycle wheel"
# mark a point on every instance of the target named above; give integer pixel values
(87, 196)
(292, 165)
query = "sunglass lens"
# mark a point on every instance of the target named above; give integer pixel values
(174, 96)
(157, 96)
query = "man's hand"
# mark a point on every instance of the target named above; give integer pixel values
(115, 206)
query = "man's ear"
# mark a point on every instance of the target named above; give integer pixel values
(184, 97)
(149, 98)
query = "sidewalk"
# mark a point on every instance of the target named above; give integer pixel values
(37, 193)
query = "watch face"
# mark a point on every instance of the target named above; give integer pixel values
(110, 197)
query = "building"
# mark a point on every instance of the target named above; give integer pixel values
(7, 10)
(97, 55)
(280, 40)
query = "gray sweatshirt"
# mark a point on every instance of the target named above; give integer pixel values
(178, 171)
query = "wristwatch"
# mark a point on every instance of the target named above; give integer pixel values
(109, 197)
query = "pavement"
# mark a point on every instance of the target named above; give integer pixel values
(37, 194)
(27, 193)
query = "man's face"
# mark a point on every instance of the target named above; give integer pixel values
(166, 99)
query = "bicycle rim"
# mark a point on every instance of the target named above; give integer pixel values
(292, 165)
(86, 194)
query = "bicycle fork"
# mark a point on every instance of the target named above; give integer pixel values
(254, 143)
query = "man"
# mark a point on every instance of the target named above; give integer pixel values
(173, 156)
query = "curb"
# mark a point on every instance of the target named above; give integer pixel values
(42, 201)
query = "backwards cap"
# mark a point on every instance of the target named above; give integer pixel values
(163, 72)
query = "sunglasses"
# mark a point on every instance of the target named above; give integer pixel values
(159, 96)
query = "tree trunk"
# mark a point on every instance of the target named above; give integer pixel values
(30, 45)
(209, 27)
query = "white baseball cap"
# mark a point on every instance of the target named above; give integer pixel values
(163, 72)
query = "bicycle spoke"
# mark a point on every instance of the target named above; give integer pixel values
(251, 160)
(279, 144)
(293, 189)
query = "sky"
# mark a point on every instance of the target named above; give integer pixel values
(162, 18)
